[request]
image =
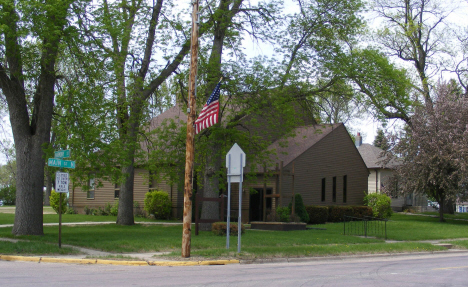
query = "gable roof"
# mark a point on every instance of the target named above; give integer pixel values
(288, 149)
(373, 157)
(175, 113)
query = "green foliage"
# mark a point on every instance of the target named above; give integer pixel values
(336, 213)
(8, 195)
(114, 209)
(299, 208)
(380, 204)
(381, 140)
(90, 211)
(158, 203)
(284, 214)
(55, 201)
(219, 228)
(317, 214)
(106, 210)
(71, 210)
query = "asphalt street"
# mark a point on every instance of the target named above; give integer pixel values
(405, 270)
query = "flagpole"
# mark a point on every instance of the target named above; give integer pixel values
(189, 153)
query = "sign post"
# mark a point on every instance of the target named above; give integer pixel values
(62, 180)
(235, 163)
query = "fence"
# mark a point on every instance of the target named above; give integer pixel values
(366, 226)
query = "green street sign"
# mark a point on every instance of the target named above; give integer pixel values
(62, 153)
(56, 162)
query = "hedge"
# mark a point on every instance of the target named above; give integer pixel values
(317, 214)
(335, 213)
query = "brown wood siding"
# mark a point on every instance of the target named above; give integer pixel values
(105, 194)
(102, 195)
(334, 155)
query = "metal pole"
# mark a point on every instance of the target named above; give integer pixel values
(239, 221)
(189, 153)
(228, 223)
(60, 219)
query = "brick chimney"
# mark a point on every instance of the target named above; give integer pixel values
(358, 140)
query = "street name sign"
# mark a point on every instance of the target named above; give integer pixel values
(56, 162)
(62, 180)
(62, 153)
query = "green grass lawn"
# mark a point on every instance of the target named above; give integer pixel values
(255, 243)
(414, 227)
(8, 218)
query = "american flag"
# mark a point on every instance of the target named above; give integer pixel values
(210, 112)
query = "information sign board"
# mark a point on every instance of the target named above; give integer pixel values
(61, 182)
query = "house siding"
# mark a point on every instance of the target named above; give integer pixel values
(333, 156)
(105, 194)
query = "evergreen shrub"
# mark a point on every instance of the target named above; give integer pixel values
(55, 201)
(299, 208)
(158, 203)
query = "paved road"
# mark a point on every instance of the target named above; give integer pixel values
(409, 270)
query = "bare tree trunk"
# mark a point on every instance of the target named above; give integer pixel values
(449, 206)
(125, 212)
(29, 183)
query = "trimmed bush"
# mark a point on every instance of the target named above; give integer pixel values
(299, 208)
(284, 214)
(55, 201)
(158, 203)
(380, 204)
(317, 214)
(362, 211)
(219, 228)
(336, 212)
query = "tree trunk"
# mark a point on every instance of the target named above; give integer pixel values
(29, 183)
(449, 206)
(125, 212)
(210, 209)
(441, 209)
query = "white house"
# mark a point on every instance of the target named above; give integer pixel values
(379, 173)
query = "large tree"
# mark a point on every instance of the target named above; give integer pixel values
(434, 152)
(142, 43)
(30, 44)
(416, 31)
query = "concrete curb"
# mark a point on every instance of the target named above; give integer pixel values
(115, 262)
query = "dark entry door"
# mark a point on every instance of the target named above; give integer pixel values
(256, 204)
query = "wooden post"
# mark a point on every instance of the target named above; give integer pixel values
(189, 153)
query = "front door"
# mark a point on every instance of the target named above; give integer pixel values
(256, 204)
